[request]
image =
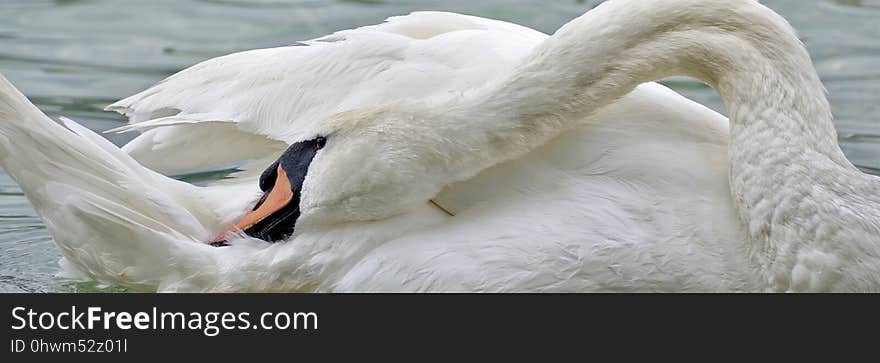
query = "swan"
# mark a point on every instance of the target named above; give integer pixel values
(453, 153)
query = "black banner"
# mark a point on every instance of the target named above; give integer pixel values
(335, 326)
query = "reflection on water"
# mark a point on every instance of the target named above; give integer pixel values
(73, 57)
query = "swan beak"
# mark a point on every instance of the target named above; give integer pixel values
(275, 203)
(275, 214)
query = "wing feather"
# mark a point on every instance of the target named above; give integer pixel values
(276, 93)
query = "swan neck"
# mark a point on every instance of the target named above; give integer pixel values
(784, 156)
(749, 54)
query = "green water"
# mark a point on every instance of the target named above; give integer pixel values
(73, 57)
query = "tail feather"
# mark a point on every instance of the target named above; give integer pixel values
(114, 220)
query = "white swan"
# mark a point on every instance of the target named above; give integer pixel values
(558, 177)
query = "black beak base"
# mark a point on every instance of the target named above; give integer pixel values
(281, 223)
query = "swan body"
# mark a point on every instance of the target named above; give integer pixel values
(464, 154)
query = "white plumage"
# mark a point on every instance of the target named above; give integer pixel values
(276, 93)
(563, 174)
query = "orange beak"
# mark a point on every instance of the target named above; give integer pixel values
(274, 217)
(280, 196)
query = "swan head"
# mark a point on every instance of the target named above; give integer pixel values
(357, 166)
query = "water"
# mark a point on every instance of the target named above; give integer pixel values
(73, 57)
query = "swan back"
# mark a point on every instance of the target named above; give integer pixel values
(805, 207)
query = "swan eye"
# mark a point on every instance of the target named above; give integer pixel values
(320, 141)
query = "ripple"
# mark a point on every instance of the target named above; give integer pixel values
(19, 285)
(859, 3)
(869, 170)
(84, 66)
(273, 4)
(93, 288)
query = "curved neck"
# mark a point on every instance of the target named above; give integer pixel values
(783, 145)
(749, 54)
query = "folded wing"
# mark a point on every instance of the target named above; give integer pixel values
(248, 105)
